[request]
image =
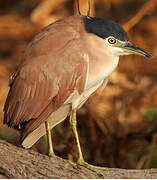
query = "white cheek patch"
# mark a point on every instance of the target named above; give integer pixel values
(119, 51)
(116, 51)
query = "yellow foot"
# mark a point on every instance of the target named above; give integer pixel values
(64, 160)
(91, 167)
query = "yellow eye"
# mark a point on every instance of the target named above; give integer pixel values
(112, 40)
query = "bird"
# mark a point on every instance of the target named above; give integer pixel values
(59, 69)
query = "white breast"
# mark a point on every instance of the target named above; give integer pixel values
(94, 81)
(77, 100)
(100, 70)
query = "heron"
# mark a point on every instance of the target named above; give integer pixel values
(59, 69)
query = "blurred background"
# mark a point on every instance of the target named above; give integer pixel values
(118, 126)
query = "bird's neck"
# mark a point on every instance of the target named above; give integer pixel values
(100, 68)
(101, 62)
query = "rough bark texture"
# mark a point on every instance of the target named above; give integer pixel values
(16, 162)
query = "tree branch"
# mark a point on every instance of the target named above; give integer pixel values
(16, 162)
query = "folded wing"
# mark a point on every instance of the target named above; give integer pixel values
(44, 81)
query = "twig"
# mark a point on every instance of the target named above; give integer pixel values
(43, 11)
(151, 150)
(149, 5)
(84, 7)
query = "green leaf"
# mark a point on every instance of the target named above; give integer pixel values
(150, 114)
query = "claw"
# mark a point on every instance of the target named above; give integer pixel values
(93, 168)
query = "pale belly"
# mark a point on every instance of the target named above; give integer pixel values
(77, 100)
(96, 78)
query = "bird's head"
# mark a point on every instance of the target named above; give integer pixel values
(115, 38)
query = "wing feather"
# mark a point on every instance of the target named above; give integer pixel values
(44, 80)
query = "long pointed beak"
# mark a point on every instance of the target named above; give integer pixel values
(132, 49)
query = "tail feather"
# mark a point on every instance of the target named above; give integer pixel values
(33, 131)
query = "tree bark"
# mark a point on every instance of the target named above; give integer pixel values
(16, 162)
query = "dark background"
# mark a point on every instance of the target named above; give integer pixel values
(117, 127)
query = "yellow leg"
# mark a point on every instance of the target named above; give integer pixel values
(81, 161)
(49, 138)
(51, 152)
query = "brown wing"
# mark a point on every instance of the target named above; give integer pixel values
(31, 91)
(46, 78)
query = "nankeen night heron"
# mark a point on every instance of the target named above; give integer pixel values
(60, 68)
